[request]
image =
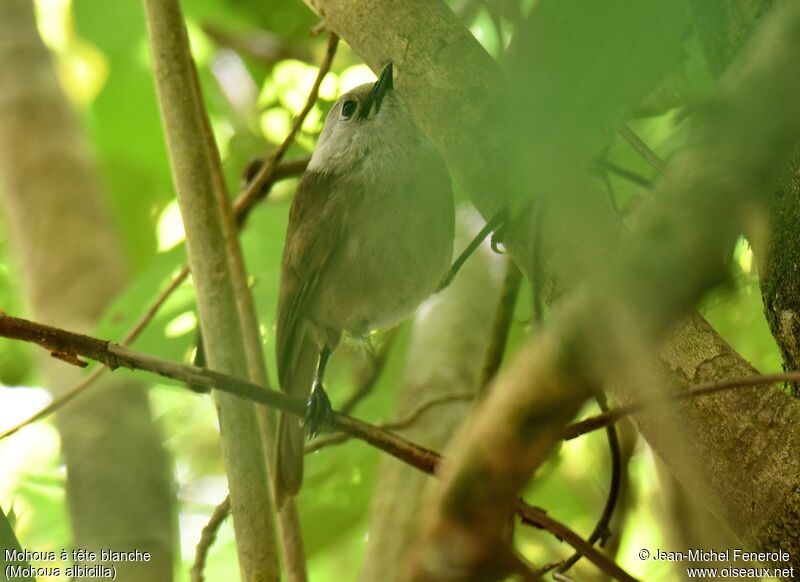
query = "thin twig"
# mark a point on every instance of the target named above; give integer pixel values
(592, 423)
(253, 193)
(642, 148)
(538, 518)
(601, 531)
(547, 567)
(129, 337)
(114, 356)
(502, 323)
(413, 415)
(494, 222)
(626, 174)
(218, 517)
(400, 423)
(287, 170)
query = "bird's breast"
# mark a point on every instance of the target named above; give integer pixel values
(396, 247)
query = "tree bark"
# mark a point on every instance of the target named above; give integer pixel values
(724, 27)
(119, 488)
(448, 346)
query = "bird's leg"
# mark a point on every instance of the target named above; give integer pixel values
(496, 226)
(318, 409)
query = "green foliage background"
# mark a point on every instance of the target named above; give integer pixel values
(101, 54)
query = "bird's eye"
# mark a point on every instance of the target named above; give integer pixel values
(348, 109)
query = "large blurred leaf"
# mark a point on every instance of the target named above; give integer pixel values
(287, 17)
(580, 65)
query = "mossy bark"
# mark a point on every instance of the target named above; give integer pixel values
(723, 28)
(779, 269)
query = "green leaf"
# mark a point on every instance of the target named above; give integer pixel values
(8, 541)
(581, 65)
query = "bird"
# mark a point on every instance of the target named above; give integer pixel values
(369, 238)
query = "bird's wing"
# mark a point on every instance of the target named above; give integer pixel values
(315, 231)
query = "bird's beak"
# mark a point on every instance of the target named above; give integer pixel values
(379, 89)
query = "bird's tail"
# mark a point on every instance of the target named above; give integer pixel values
(291, 434)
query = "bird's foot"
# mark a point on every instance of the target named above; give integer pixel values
(318, 411)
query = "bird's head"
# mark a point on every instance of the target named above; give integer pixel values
(364, 119)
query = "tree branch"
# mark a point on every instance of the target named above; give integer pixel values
(207, 537)
(114, 356)
(615, 414)
(502, 324)
(641, 148)
(281, 172)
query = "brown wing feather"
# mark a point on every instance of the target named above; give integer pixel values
(312, 236)
(313, 233)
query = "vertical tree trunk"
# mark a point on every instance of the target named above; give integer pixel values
(119, 490)
(214, 258)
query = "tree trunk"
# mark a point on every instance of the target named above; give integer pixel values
(119, 489)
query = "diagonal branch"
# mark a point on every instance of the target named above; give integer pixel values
(255, 190)
(114, 356)
(280, 172)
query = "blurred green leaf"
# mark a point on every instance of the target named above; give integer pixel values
(580, 66)
(8, 541)
(43, 493)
